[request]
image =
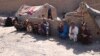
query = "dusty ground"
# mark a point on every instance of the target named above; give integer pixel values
(14, 43)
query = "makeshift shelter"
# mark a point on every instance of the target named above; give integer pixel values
(35, 14)
(45, 10)
(87, 14)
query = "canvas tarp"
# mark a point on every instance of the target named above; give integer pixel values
(35, 13)
(26, 11)
(95, 14)
(87, 14)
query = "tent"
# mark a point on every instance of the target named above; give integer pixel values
(34, 14)
(45, 10)
(87, 14)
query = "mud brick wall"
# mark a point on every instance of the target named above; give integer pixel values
(11, 6)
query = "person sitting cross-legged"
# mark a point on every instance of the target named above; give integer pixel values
(41, 29)
(60, 29)
(46, 27)
(63, 30)
(35, 29)
(73, 32)
(85, 35)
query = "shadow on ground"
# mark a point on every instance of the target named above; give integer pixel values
(78, 48)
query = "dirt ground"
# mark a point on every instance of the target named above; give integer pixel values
(13, 43)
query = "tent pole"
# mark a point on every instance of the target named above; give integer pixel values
(82, 10)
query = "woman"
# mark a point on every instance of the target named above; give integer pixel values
(84, 35)
(63, 30)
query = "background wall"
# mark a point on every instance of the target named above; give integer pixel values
(11, 6)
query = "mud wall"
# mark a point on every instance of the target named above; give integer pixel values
(11, 6)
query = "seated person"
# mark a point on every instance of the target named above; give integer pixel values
(46, 27)
(8, 22)
(63, 30)
(84, 35)
(60, 29)
(40, 29)
(73, 32)
(19, 27)
(35, 28)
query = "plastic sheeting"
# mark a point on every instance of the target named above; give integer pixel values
(95, 13)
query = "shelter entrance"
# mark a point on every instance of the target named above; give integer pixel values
(50, 13)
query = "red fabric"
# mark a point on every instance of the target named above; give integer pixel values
(31, 10)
